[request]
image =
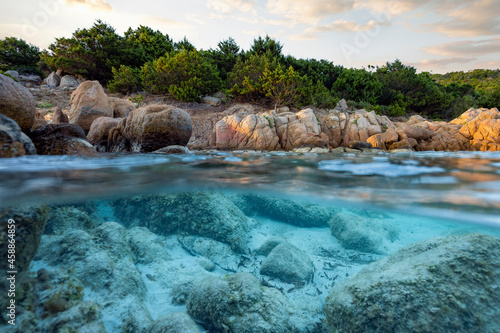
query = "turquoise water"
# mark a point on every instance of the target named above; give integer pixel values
(260, 242)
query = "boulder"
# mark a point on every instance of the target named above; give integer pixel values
(13, 142)
(213, 101)
(299, 130)
(175, 322)
(121, 107)
(439, 285)
(359, 145)
(239, 303)
(355, 232)
(359, 126)
(100, 265)
(99, 131)
(53, 80)
(59, 116)
(31, 79)
(17, 103)
(150, 128)
(301, 214)
(39, 120)
(61, 139)
(383, 140)
(146, 247)
(68, 81)
(13, 74)
(172, 150)
(204, 214)
(287, 263)
(483, 130)
(342, 106)
(89, 102)
(249, 132)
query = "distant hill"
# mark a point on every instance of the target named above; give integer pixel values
(480, 79)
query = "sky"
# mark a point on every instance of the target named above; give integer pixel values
(437, 36)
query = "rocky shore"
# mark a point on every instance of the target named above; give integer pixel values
(96, 122)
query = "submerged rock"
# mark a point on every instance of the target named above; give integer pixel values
(146, 247)
(239, 303)
(288, 211)
(287, 263)
(438, 285)
(362, 234)
(175, 322)
(102, 261)
(62, 218)
(205, 214)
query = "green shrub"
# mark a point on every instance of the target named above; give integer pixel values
(284, 87)
(186, 75)
(125, 80)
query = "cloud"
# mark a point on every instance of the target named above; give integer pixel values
(163, 21)
(441, 63)
(309, 11)
(471, 19)
(195, 18)
(229, 6)
(466, 48)
(95, 5)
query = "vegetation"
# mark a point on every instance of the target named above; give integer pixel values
(145, 59)
(16, 54)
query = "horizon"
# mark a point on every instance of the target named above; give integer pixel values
(434, 37)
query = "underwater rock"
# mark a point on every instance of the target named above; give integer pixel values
(238, 303)
(358, 233)
(113, 238)
(97, 263)
(439, 285)
(146, 247)
(287, 263)
(288, 211)
(269, 245)
(205, 214)
(175, 322)
(135, 317)
(62, 218)
(219, 253)
(29, 222)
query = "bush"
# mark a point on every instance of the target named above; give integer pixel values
(125, 80)
(244, 79)
(185, 75)
(285, 87)
(18, 55)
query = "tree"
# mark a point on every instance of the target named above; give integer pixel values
(89, 52)
(18, 55)
(225, 56)
(267, 46)
(186, 75)
(126, 79)
(144, 44)
(357, 85)
(184, 44)
(285, 87)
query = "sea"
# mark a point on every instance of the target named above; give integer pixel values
(248, 241)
